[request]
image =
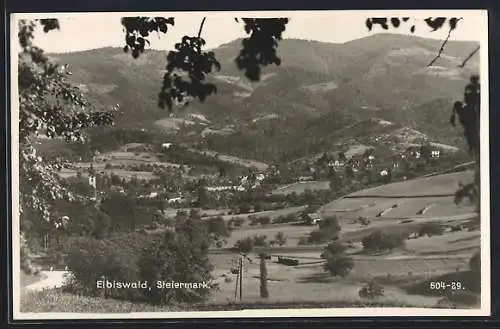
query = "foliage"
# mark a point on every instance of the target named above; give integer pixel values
(260, 240)
(475, 263)
(371, 290)
(329, 229)
(259, 49)
(333, 249)
(48, 104)
(245, 245)
(338, 265)
(218, 230)
(90, 260)
(280, 238)
(180, 256)
(431, 229)
(379, 241)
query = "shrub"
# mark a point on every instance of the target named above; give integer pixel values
(260, 240)
(333, 249)
(245, 245)
(339, 265)
(280, 238)
(115, 258)
(379, 241)
(371, 290)
(244, 208)
(475, 263)
(431, 229)
(264, 220)
(288, 261)
(180, 256)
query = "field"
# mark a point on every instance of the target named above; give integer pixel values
(234, 160)
(416, 262)
(301, 187)
(419, 198)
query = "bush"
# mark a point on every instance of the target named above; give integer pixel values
(264, 220)
(303, 241)
(379, 241)
(475, 263)
(115, 258)
(288, 261)
(431, 229)
(339, 265)
(244, 208)
(280, 238)
(371, 290)
(245, 245)
(260, 240)
(180, 256)
(333, 249)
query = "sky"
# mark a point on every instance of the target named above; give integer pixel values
(83, 31)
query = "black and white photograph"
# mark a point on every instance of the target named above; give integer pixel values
(250, 164)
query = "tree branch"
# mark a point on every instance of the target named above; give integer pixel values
(201, 26)
(442, 46)
(469, 57)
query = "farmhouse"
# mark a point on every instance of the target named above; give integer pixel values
(166, 146)
(435, 154)
(313, 218)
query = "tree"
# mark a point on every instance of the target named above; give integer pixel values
(379, 241)
(431, 229)
(371, 290)
(332, 250)
(264, 292)
(245, 245)
(50, 105)
(218, 230)
(181, 256)
(339, 265)
(280, 238)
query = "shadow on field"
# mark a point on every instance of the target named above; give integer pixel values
(316, 278)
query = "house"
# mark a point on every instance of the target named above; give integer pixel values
(313, 218)
(166, 146)
(435, 154)
(384, 173)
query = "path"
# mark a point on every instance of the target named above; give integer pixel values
(53, 279)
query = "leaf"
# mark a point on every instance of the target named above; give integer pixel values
(369, 24)
(406, 19)
(395, 22)
(453, 23)
(435, 23)
(412, 29)
(381, 21)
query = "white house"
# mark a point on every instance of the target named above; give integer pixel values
(166, 146)
(384, 172)
(435, 154)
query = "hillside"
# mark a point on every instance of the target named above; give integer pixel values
(319, 89)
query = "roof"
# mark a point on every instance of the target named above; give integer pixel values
(314, 216)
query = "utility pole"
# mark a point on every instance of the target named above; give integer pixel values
(237, 280)
(241, 278)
